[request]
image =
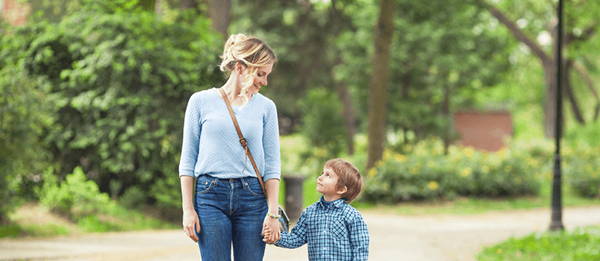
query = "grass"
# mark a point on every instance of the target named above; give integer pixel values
(33, 220)
(33, 230)
(580, 244)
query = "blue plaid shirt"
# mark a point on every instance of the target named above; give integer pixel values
(333, 232)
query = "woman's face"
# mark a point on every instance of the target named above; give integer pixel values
(260, 79)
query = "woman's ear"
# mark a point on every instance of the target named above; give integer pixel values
(239, 67)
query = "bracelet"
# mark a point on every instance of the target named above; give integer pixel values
(273, 216)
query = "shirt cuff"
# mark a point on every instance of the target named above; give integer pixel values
(272, 176)
(281, 239)
(186, 173)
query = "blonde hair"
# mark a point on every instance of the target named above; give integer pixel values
(251, 52)
(348, 176)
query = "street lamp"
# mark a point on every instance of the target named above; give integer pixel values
(556, 221)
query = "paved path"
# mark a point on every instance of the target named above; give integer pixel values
(393, 237)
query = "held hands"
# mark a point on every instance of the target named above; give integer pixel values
(271, 230)
(191, 222)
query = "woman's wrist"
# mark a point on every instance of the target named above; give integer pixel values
(273, 216)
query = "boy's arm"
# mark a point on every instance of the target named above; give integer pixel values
(359, 238)
(295, 238)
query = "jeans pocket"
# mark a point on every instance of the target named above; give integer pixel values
(253, 186)
(204, 184)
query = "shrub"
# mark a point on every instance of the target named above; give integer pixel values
(25, 114)
(133, 197)
(582, 170)
(75, 197)
(424, 172)
(120, 79)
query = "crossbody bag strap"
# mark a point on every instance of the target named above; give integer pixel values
(243, 140)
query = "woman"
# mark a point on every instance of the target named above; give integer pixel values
(229, 205)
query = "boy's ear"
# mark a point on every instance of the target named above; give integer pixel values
(342, 190)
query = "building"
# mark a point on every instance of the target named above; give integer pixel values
(483, 130)
(14, 12)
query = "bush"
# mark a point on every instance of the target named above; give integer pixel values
(133, 197)
(25, 115)
(75, 197)
(426, 173)
(582, 170)
(120, 79)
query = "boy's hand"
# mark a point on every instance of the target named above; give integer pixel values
(266, 233)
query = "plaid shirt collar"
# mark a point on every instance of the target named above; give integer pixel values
(338, 203)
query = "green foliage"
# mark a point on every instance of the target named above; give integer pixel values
(75, 197)
(25, 114)
(580, 244)
(80, 199)
(426, 173)
(120, 79)
(133, 197)
(443, 52)
(582, 169)
(589, 134)
(322, 122)
(167, 193)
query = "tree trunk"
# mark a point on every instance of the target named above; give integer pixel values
(446, 111)
(549, 64)
(219, 13)
(590, 83)
(348, 113)
(379, 81)
(158, 9)
(550, 106)
(568, 91)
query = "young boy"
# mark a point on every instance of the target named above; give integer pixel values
(333, 229)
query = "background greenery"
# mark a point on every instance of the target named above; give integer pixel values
(94, 92)
(579, 244)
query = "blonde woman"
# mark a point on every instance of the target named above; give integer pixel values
(228, 207)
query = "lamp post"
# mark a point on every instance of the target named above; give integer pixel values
(556, 221)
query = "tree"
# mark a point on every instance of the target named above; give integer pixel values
(382, 39)
(219, 12)
(306, 37)
(539, 19)
(26, 112)
(447, 52)
(120, 80)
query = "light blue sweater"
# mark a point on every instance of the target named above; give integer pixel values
(211, 144)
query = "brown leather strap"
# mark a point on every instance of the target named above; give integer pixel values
(243, 140)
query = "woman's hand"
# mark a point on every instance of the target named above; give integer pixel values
(271, 230)
(191, 222)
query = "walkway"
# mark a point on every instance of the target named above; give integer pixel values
(393, 237)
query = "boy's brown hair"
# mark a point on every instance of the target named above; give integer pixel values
(348, 176)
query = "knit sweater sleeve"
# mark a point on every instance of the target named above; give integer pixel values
(191, 136)
(271, 143)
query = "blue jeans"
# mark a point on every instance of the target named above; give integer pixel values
(230, 211)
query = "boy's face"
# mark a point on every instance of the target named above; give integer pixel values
(327, 183)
